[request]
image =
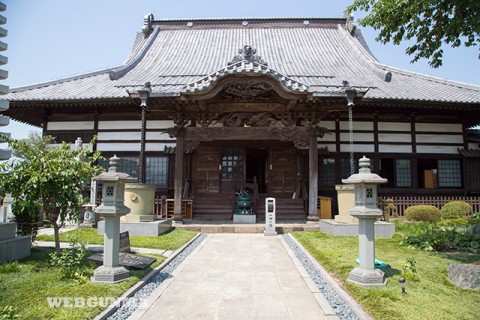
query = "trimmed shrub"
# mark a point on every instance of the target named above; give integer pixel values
(455, 209)
(422, 213)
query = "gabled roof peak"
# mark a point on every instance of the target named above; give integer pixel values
(247, 68)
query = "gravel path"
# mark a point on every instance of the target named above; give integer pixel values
(336, 302)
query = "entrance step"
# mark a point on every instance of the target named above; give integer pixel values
(218, 207)
(230, 227)
(212, 207)
(286, 209)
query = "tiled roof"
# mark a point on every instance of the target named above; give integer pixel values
(469, 153)
(314, 55)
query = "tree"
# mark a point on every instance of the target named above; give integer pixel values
(430, 23)
(53, 176)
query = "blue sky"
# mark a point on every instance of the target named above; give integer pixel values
(51, 39)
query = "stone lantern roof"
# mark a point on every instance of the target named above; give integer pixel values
(364, 175)
(112, 175)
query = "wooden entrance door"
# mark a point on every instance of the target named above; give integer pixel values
(283, 170)
(207, 169)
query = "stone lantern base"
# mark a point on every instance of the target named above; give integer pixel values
(110, 274)
(367, 277)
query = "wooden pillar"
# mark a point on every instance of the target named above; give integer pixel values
(177, 210)
(313, 179)
(96, 117)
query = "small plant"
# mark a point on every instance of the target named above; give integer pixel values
(440, 238)
(71, 260)
(422, 213)
(9, 267)
(455, 209)
(8, 313)
(409, 269)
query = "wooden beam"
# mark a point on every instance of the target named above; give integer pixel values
(242, 133)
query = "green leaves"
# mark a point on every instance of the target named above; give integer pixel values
(430, 23)
(53, 176)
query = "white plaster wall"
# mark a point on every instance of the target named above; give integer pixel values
(394, 137)
(159, 124)
(330, 125)
(392, 148)
(70, 125)
(327, 137)
(365, 137)
(357, 125)
(438, 127)
(157, 136)
(117, 124)
(439, 138)
(119, 136)
(394, 126)
(437, 149)
(105, 146)
(159, 147)
(357, 148)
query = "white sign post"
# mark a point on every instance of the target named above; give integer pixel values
(270, 217)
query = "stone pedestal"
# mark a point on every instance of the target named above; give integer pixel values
(111, 271)
(346, 201)
(367, 277)
(12, 247)
(245, 218)
(140, 198)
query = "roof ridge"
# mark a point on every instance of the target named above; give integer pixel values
(429, 77)
(61, 80)
(135, 57)
(246, 18)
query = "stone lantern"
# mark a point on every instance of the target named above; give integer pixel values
(112, 208)
(365, 183)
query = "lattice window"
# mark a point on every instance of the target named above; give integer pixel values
(403, 173)
(157, 171)
(449, 173)
(328, 172)
(127, 165)
(232, 163)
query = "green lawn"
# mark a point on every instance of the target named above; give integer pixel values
(26, 284)
(433, 297)
(167, 241)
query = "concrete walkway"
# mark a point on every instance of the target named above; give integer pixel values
(237, 276)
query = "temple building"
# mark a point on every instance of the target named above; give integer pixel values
(204, 107)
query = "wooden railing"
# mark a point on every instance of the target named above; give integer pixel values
(403, 203)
